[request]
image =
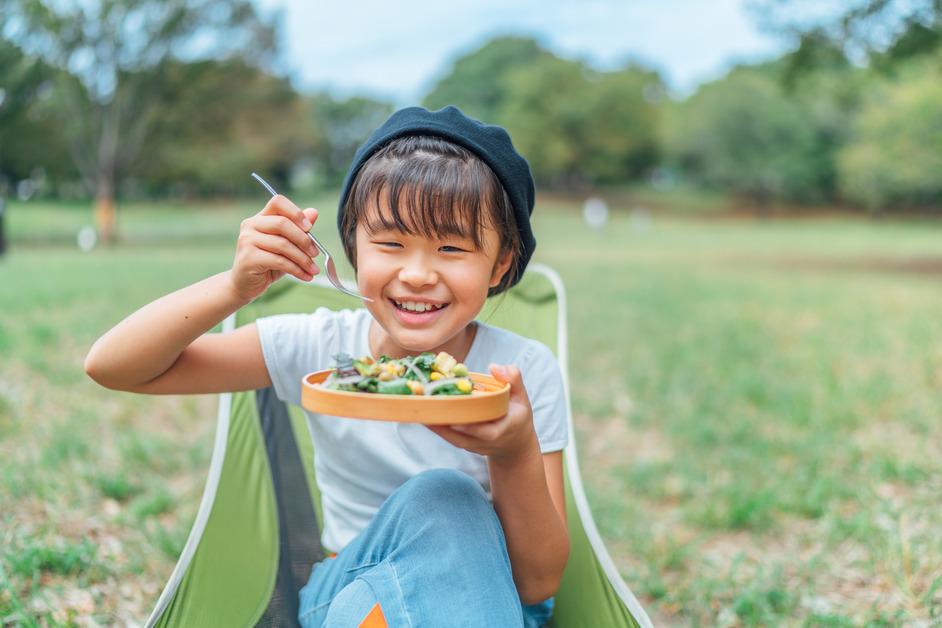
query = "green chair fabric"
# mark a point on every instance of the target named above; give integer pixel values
(254, 541)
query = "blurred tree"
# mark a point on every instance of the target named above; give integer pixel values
(742, 134)
(820, 79)
(544, 119)
(575, 125)
(21, 78)
(620, 111)
(341, 126)
(578, 126)
(815, 53)
(895, 156)
(477, 81)
(855, 105)
(883, 32)
(218, 121)
(29, 134)
(111, 50)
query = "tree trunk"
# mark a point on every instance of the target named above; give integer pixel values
(104, 209)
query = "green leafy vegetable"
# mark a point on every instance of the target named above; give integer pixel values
(423, 374)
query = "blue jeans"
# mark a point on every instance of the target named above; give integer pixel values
(434, 555)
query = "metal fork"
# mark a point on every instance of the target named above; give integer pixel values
(328, 262)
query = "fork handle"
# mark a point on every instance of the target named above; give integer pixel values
(320, 247)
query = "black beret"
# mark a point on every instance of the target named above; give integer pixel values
(489, 142)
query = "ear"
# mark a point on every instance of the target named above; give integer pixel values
(500, 268)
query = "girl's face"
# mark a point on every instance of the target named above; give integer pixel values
(425, 291)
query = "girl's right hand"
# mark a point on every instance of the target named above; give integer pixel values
(271, 243)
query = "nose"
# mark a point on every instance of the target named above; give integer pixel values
(417, 271)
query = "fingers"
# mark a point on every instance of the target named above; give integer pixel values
(471, 436)
(276, 262)
(455, 438)
(280, 205)
(282, 246)
(511, 375)
(284, 227)
(486, 431)
(276, 240)
(281, 216)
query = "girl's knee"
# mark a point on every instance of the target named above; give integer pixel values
(437, 486)
(445, 497)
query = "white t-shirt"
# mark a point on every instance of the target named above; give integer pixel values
(359, 463)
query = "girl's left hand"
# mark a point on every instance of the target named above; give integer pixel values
(506, 437)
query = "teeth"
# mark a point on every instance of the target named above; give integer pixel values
(418, 307)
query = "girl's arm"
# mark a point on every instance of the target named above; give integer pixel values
(163, 348)
(530, 501)
(527, 489)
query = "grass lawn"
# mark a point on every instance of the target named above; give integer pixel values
(757, 407)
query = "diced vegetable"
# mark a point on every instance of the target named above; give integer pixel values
(366, 367)
(423, 374)
(444, 362)
(394, 387)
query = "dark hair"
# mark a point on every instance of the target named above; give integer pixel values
(433, 188)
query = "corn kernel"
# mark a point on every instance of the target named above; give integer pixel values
(443, 363)
(464, 385)
(436, 375)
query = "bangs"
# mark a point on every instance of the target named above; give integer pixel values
(433, 196)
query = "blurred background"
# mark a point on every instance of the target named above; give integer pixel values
(743, 198)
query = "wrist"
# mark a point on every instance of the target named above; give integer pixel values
(523, 454)
(235, 297)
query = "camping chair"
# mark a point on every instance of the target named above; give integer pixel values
(257, 532)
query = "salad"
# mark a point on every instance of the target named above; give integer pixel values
(423, 374)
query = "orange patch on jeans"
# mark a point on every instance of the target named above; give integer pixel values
(375, 618)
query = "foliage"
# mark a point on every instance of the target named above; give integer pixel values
(107, 52)
(574, 124)
(478, 81)
(579, 126)
(31, 133)
(895, 155)
(884, 32)
(742, 133)
(342, 125)
(191, 106)
(220, 120)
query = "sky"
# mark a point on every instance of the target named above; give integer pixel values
(397, 50)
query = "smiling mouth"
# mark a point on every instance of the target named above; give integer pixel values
(417, 307)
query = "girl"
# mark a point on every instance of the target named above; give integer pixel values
(432, 526)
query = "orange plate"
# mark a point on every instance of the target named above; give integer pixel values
(487, 401)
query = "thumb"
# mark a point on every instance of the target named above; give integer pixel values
(509, 375)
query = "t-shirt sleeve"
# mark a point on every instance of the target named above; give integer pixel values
(294, 345)
(544, 383)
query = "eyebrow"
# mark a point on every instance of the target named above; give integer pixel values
(397, 222)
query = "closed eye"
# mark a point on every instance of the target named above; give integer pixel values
(389, 244)
(451, 249)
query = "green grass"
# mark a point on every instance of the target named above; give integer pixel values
(116, 487)
(756, 404)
